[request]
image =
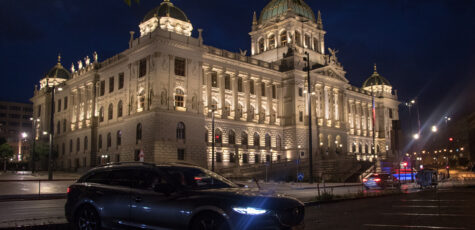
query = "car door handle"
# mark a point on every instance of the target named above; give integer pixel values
(138, 199)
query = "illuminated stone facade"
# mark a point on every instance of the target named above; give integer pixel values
(154, 100)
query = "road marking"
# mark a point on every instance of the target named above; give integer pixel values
(425, 206)
(434, 200)
(410, 226)
(424, 214)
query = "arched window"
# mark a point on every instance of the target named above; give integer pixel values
(180, 131)
(119, 138)
(360, 148)
(256, 139)
(99, 142)
(283, 38)
(231, 137)
(179, 98)
(119, 109)
(278, 142)
(261, 45)
(353, 148)
(101, 114)
(244, 139)
(110, 112)
(268, 140)
(315, 45)
(85, 143)
(307, 40)
(298, 38)
(218, 136)
(109, 140)
(138, 133)
(272, 42)
(78, 144)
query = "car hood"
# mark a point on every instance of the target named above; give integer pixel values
(251, 197)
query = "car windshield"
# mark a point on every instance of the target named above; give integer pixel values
(196, 178)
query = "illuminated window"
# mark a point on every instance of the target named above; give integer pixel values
(283, 38)
(179, 98)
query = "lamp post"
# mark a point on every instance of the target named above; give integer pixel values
(23, 137)
(309, 102)
(447, 119)
(212, 110)
(32, 152)
(51, 132)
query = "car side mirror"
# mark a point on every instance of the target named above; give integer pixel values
(164, 188)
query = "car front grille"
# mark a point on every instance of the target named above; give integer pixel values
(291, 216)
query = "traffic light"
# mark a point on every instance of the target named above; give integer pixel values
(451, 139)
(404, 164)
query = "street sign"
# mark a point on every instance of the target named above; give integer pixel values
(300, 177)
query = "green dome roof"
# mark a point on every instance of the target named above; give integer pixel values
(166, 9)
(58, 71)
(277, 8)
(375, 79)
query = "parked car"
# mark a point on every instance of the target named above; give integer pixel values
(381, 181)
(174, 196)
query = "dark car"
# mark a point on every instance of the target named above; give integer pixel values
(174, 196)
(381, 181)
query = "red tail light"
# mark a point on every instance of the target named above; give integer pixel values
(377, 180)
(364, 180)
(198, 178)
(68, 190)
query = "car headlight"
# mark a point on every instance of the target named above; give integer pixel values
(249, 211)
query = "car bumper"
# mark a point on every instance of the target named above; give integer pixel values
(265, 222)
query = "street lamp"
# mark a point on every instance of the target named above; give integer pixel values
(212, 110)
(434, 129)
(416, 136)
(32, 153)
(309, 95)
(51, 131)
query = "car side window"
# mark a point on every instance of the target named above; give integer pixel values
(98, 177)
(124, 178)
(149, 179)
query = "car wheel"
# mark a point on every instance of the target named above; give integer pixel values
(87, 218)
(208, 221)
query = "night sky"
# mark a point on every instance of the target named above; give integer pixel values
(425, 48)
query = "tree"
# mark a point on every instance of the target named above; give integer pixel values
(6, 152)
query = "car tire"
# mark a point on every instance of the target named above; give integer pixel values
(87, 218)
(208, 221)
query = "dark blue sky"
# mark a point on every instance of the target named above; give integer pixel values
(423, 47)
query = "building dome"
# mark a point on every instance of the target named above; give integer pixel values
(375, 79)
(58, 71)
(166, 9)
(278, 8)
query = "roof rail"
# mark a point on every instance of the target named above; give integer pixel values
(128, 162)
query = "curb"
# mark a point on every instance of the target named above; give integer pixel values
(52, 196)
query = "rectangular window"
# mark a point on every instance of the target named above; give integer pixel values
(15, 116)
(227, 82)
(65, 103)
(232, 158)
(214, 79)
(103, 88)
(219, 157)
(59, 105)
(251, 86)
(111, 84)
(391, 113)
(263, 89)
(245, 158)
(300, 92)
(39, 110)
(121, 80)
(240, 84)
(181, 154)
(273, 92)
(180, 66)
(300, 116)
(3, 115)
(142, 67)
(15, 108)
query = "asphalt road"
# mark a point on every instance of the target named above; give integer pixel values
(441, 209)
